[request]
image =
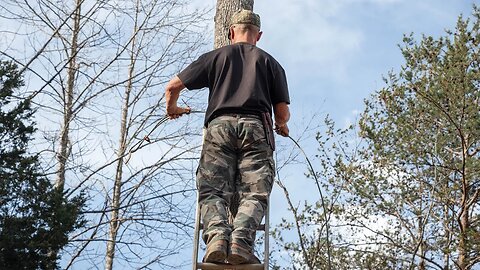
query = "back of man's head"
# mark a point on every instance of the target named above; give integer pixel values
(245, 26)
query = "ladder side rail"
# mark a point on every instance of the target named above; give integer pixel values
(267, 236)
(196, 237)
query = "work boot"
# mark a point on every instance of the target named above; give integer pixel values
(216, 252)
(241, 255)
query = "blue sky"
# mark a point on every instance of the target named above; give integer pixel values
(335, 52)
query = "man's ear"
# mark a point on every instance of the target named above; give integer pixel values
(259, 35)
(231, 34)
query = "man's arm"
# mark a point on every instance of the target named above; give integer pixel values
(172, 92)
(282, 115)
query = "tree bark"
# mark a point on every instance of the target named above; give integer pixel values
(463, 218)
(64, 146)
(117, 188)
(463, 239)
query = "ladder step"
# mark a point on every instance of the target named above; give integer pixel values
(261, 227)
(213, 266)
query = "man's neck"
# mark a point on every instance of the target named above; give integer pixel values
(248, 40)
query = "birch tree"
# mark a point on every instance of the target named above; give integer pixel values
(60, 36)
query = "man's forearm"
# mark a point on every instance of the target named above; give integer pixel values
(282, 113)
(171, 96)
(172, 91)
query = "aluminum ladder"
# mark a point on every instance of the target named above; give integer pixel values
(213, 266)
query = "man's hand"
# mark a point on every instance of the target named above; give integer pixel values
(282, 130)
(174, 112)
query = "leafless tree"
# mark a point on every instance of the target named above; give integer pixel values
(96, 69)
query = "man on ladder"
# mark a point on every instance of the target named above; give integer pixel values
(245, 83)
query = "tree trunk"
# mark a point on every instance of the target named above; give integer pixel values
(446, 227)
(82, 61)
(422, 247)
(64, 147)
(463, 220)
(117, 188)
(465, 241)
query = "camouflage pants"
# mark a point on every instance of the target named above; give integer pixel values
(235, 159)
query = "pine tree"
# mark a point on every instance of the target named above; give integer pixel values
(35, 218)
(423, 134)
(407, 196)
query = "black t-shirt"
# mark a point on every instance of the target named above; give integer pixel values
(242, 78)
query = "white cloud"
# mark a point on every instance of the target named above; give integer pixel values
(352, 118)
(306, 34)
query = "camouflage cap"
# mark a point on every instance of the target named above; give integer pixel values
(245, 16)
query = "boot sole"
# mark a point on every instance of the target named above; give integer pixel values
(237, 259)
(216, 256)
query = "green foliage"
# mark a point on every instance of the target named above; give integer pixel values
(35, 218)
(424, 134)
(406, 194)
(423, 137)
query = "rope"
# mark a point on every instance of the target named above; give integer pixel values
(146, 138)
(317, 181)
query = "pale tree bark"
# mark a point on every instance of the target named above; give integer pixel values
(422, 248)
(65, 72)
(466, 202)
(68, 95)
(114, 222)
(448, 235)
(122, 148)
